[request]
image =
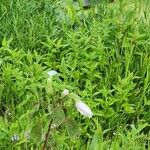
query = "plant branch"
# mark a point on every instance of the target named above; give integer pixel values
(47, 135)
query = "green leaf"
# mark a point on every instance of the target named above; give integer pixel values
(109, 112)
(128, 108)
(147, 103)
(5, 42)
(1, 92)
(72, 127)
(95, 143)
(36, 133)
(49, 87)
(29, 57)
(58, 116)
(68, 103)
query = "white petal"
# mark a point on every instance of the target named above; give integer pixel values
(52, 73)
(15, 138)
(84, 109)
(65, 93)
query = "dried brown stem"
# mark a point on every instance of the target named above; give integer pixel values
(47, 136)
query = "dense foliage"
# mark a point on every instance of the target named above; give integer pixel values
(102, 56)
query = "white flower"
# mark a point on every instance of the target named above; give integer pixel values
(15, 138)
(52, 73)
(84, 109)
(65, 93)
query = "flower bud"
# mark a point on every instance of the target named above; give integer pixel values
(83, 109)
(52, 73)
(65, 93)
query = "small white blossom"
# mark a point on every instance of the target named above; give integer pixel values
(65, 93)
(52, 73)
(114, 133)
(84, 109)
(15, 138)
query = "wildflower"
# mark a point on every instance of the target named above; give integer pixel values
(15, 138)
(114, 133)
(65, 93)
(52, 73)
(83, 109)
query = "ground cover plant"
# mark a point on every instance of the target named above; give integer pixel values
(54, 54)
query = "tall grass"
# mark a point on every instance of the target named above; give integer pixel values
(101, 54)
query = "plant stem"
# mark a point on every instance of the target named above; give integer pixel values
(47, 136)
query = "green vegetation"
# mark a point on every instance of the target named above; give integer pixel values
(102, 56)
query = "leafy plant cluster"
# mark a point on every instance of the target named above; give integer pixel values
(101, 55)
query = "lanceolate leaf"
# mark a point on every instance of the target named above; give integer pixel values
(36, 133)
(95, 143)
(58, 116)
(72, 127)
